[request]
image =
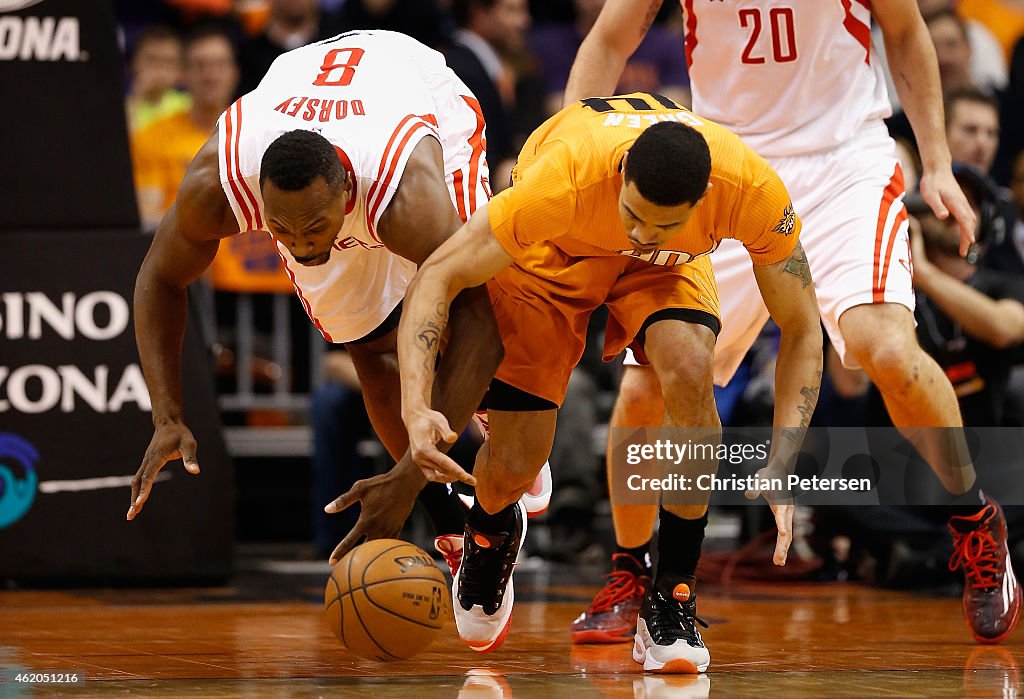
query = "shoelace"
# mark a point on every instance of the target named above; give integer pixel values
(673, 620)
(978, 554)
(621, 586)
(485, 573)
(452, 556)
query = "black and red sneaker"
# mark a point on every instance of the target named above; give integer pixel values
(612, 615)
(992, 595)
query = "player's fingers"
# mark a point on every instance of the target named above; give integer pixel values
(345, 500)
(347, 544)
(784, 523)
(136, 486)
(187, 449)
(449, 471)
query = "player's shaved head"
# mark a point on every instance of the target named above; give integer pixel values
(297, 158)
(669, 164)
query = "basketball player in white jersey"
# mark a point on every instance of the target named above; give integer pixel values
(798, 81)
(359, 155)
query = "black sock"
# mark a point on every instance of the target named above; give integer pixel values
(679, 542)
(642, 554)
(444, 509)
(498, 523)
(970, 503)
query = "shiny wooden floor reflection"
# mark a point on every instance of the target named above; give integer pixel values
(787, 640)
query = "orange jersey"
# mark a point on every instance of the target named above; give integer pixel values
(566, 188)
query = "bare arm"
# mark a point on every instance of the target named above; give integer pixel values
(619, 29)
(469, 258)
(915, 72)
(417, 222)
(788, 293)
(183, 247)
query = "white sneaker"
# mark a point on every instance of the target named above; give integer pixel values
(667, 639)
(482, 591)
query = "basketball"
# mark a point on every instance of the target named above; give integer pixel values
(386, 600)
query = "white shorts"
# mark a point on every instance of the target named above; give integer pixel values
(855, 233)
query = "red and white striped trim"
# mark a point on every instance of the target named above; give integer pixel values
(246, 202)
(888, 226)
(305, 302)
(857, 28)
(466, 185)
(690, 40)
(393, 154)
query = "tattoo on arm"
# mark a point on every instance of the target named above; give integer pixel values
(797, 266)
(806, 410)
(429, 335)
(652, 12)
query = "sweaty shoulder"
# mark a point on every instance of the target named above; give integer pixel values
(202, 209)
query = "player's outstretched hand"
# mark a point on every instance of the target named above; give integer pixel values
(942, 193)
(782, 507)
(386, 504)
(170, 441)
(426, 429)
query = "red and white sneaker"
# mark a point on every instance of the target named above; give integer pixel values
(535, 500)
(992, 595)
(482, 590)
(611, 617)
(450, 548)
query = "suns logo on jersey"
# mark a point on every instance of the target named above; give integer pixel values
(666, 258)
(787, 223)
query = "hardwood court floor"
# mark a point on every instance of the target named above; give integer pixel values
(803, 640)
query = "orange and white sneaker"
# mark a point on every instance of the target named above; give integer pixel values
(992, 595)
(482, 590)
(667, 639)
(450, 548)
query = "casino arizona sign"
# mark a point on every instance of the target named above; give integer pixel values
(38, 388)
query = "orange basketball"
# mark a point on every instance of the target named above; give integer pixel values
(386, 600)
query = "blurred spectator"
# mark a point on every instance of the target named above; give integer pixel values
(488, 31)
(162, 151)
(972, 130)
(1004, 18)
(953, 50)
(967, 315)
(155, 67)
(1012, 118)
(290, 24)
(972, 127)
(988, 60)
(339, 421)
(423, 20)
(658, 65)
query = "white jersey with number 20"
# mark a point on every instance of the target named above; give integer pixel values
(790, 78)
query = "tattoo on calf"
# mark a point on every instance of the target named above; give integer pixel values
(797, 266)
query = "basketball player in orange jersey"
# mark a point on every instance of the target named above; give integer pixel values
(614, 201)
(359, 155)
(799, 83)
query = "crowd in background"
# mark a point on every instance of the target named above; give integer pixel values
(189, 59)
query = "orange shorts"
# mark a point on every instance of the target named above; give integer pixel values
(543, 303)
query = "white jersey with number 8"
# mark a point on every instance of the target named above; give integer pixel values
(374, 95)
